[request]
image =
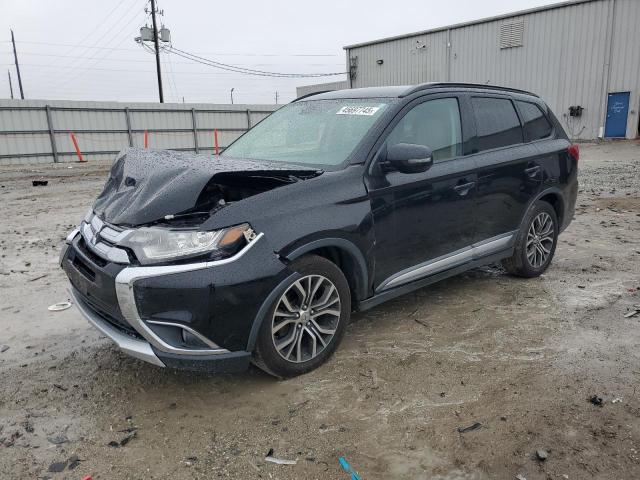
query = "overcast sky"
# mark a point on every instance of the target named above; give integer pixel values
(84, 49)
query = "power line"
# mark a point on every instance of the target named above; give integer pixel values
(239, 54)
(93, 30)
(172, 77)
(130, 70)
(105, 54)
(74, 65)
(246, 71)
(131, 60)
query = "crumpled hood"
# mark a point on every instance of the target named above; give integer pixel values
(144, 186)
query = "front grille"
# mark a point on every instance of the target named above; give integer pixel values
(119, 324)
(82, 246)
(102, 240)
(84, 269)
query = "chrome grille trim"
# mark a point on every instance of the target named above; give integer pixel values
(92, 232)
(113, 236)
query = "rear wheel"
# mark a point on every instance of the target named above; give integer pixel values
(306, 322)
(535, 243)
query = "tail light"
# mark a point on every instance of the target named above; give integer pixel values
(574, 152)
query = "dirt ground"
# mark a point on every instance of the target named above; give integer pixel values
(520, 357)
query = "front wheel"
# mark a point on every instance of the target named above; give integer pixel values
(535, 243)
(306, 322)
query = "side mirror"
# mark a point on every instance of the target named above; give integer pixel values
(409, 158)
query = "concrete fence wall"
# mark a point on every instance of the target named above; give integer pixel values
(38, 131)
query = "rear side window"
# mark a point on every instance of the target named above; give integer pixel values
(536, 125)
(497, 123)
(434, 124)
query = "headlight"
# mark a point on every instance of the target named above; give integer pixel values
(152, 245)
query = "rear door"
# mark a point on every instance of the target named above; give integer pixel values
(509, 169)
(420, 217)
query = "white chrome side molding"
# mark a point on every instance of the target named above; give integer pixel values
(445, 262)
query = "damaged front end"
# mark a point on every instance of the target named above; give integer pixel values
(147, 187)
(147, 273)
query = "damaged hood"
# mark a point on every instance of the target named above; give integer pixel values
(145, 186)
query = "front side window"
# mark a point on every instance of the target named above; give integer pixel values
(497, 123)
(536, 125)
(315, 132)
(434, 124)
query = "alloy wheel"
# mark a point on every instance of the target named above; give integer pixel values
(306, 318)
(540, 238)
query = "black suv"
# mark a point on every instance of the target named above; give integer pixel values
(334, 203)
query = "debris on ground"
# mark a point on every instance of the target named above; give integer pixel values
(190, 461)
(57, 467)
(126, 439)
(542, 455)
(8, 442)
(470, 428)
(40, 183)
(347, 468)
(74, 461)
(56, 307)
(4, 348)
(58, 439)
(28, 426)
(633, 313)
(520, 477)
(279, 461)
(38, 278)
(596, 400)
(616, 400)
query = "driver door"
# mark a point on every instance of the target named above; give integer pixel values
(422, 219)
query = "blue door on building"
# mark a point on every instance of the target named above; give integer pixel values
(617, 112)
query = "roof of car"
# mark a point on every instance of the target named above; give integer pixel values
(405, 90)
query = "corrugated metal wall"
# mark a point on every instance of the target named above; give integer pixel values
(101, 128)
(564, 59)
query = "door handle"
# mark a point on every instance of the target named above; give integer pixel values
(532, 171)
(464, 188)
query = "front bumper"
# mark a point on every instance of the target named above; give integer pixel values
(214, 302)
(131, 346)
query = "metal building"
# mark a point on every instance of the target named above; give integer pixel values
(581, 53)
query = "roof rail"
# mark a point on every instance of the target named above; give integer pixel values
(311, 95)
(426, 86)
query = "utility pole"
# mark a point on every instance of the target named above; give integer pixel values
(10, 84)
(232, 95)
(155, 42)
(15, 55)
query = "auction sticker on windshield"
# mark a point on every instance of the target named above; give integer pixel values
(354, 110)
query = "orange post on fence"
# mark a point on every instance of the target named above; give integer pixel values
(75, 144)
(146, 139)
(215, 142)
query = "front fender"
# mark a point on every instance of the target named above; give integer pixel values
(361, 274)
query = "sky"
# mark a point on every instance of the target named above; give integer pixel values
(85, 49)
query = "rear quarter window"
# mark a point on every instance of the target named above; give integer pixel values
(536, 124)
(497, 123)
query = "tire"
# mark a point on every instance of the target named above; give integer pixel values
(524, 263)
(295, 337)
